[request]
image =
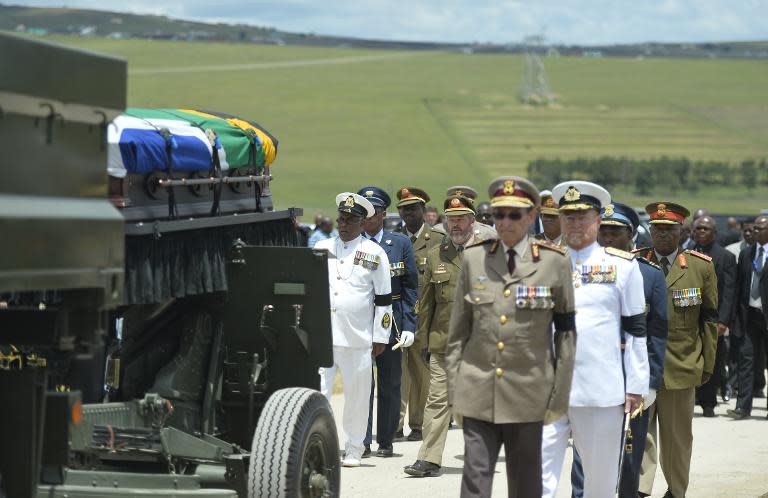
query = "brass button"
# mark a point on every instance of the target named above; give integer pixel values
(477, 299)
(507, 293)
(498, 372)
(500, 346)
(503, 319)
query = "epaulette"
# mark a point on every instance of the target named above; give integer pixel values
(699, 255)
(618, 252)
(481, 242)
(640, 249)
(551, 246)
(641, 259)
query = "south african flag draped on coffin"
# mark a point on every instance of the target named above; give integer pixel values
(140, 141)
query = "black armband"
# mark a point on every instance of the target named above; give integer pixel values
(382, 299)
(564, 321)
(634, 325)
(709, 315)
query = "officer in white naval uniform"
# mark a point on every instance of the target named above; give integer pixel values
(608, 288)
(361, 314)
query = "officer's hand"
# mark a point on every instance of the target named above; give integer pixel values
(705, 377)
(649, 398)
(407, 338)
(378, 348)
(721, 329)
(425, 355)
(632, 403)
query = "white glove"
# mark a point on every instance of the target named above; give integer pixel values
(649, 398)
(406, 340)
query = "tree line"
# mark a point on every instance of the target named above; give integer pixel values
(646, 175)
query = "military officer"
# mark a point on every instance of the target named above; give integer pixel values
(361, 315)
(411, 204)
(402, 267)
(502, 376)
(607, 382)
(480, 229)
(550, 218)
(435, 302)
(691, 345)
(618, 225)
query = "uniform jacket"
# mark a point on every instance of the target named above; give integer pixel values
(725, 269)
(441, 274)
(500, 364)
(744, 281)
(360, 288)
(692, 337)
(610, 300)
(402, 268)
(656, 319)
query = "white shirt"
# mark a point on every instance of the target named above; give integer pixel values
(598, 380)
(355, 321)
(758, 303)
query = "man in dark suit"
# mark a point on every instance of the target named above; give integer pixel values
(402, 266)
(752, 286)
(705, 235)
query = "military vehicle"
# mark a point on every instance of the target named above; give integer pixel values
(160, 335)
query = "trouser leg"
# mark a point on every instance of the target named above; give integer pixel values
(436, 414)
(577, 476)
(675, 416)
(554, 441)
(650, 455)
(746, 379)
(482, 441)
(327, 376)
(706, 394)
(522, 450)
(355, 366)
(630, 470)
(405, 390)
(597, 437)
(388, 368)
(369, 428)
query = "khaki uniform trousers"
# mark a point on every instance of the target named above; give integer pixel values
(673, 410)
(437, 416)
(414, 387)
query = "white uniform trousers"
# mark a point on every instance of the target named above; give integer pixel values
(596, 435)
(355, 365)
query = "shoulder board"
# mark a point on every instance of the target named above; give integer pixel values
(699, 255)
(640, 250)
(618, 252)
(549, 245)
(641, 259)
(481, 242)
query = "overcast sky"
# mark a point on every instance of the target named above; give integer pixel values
(499, 21)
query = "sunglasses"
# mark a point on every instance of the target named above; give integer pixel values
(514, 216)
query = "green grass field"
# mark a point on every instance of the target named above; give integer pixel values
(436, 119)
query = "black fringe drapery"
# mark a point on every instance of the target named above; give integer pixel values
(180, 264)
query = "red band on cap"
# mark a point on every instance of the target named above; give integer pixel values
(667, 215)
(516, 193)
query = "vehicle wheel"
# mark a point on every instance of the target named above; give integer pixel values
(295, 449)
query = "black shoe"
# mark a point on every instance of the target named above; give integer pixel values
(422, 468)
(367, 452)
(668, 494)
(384, 452)
(738, 414)
(727, 394)
(415, 435)
(708, 411)
(399, 437)
(758, 393)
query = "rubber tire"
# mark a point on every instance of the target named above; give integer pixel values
(290, 420)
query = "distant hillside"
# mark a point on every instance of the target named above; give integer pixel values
(118, 25)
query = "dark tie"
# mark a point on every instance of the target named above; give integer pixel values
(665, 265)
(511, 261)
(413, 239)
(759, 267)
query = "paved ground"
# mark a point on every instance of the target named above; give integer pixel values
(730, 459)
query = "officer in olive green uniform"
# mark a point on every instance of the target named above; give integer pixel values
(503, 377)
(549, 215)
(481, 230)
(691, 347)
(441, 275)
(415, 381)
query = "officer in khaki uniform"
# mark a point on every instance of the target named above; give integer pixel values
(503, 377)
(415, 381)
(480, 230)
(549, 215)
(441, 275)
(691, 347)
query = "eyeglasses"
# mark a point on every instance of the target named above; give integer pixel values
(513, 215)
(354, 220)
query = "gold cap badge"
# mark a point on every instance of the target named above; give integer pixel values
(609, 210)
(350, 202)
(661, 208)
(455, 203)
(509, 187)
(572, 194)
